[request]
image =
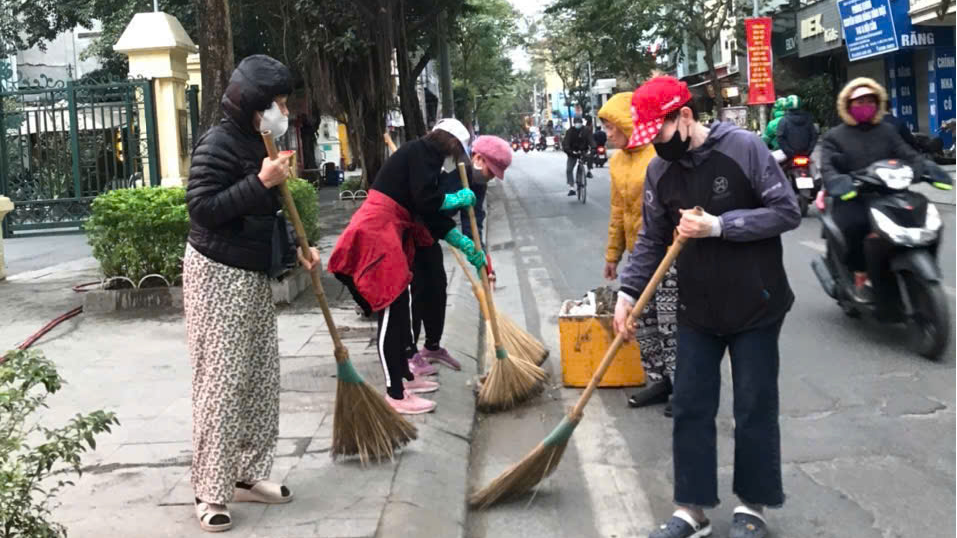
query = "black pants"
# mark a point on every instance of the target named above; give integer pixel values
(393, 339)
(757, 436)
(851, 218)
(394, 344)
(429, 296)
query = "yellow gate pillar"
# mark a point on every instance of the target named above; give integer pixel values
(157, 46)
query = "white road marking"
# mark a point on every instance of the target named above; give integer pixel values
(528, 248)
(619, 503)
(814, 245)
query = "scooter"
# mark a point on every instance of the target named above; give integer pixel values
(901, 257)
(933, 148)
(557, 146)
(514, 145)
(526, 145)
(541, 145)
(598, 156)
(798, 172)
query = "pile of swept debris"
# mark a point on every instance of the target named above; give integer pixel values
(598, 302)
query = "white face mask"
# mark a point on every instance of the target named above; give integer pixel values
(448, 165)
(274, 121)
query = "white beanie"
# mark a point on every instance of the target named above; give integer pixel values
(455, 128)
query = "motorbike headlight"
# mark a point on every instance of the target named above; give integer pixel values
(910, 237)
(896, 178)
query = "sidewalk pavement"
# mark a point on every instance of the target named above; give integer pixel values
(137, 481)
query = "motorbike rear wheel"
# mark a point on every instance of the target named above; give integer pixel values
(930, 325)
(803, 204)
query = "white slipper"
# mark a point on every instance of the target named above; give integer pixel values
(263, 491)
(205, 512)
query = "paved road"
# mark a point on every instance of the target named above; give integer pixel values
(867, 426)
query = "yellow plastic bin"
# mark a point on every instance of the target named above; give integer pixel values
(584, 341)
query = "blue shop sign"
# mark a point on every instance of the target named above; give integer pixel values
(868, 27)
(910, 36)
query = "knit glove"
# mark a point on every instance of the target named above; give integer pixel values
(475, 256)
(462, 198)
(841, 186)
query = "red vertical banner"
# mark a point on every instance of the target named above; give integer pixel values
(760, 76)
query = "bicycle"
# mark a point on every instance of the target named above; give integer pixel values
(581, 180)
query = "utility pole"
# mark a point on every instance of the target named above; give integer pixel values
(591, 94)
(445, 66)
(762, 109)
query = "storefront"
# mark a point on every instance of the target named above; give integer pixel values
(914, 62)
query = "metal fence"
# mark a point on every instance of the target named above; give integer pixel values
(62, 143)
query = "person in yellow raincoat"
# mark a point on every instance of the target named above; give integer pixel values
(656, 328)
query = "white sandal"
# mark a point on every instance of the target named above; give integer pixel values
(263, 491)
(205, 512)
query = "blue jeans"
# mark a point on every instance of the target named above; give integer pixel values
(757, 436)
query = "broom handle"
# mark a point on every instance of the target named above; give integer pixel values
(341, 352)
(476, 289)
(489, 303)
(646, 296)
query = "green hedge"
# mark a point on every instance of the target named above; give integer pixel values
(138, 232)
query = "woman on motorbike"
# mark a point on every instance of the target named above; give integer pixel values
(859, 141)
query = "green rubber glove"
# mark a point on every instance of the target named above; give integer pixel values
(463, 198)
(849, 196)
(943, 186)
(475, 256)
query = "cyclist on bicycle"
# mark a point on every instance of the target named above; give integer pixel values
(576, 144)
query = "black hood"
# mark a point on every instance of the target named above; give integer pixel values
(800, 117)
(253, 86)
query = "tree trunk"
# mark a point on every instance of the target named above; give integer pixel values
(216, 53)
(715, 83)
(408, 98)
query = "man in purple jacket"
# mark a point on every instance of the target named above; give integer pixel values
(734, 295)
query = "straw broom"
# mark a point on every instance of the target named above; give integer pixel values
(542, 461)
(509, 381)
(517, 342)
(364, 424)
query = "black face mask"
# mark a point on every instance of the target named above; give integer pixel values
(675, 148)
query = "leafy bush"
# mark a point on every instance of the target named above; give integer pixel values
(138, 232)
(306, 198)
(352, 184)
(818, 96)
(29, 451)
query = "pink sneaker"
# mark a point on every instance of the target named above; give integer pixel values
(411, 404)
(421, 367)
(421, 385)
(440, 355)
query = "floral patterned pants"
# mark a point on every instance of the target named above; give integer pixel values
(234, 351)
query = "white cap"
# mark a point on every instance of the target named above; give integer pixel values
(455, 128)
(861, 91)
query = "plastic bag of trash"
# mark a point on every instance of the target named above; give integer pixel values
(598, 302)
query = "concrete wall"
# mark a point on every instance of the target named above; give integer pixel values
(61, 59)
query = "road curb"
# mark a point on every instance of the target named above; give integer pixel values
(430, 487)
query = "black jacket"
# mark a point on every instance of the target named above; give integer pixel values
(600, 138)
(847, 148)
(233, 217)
(796, 133)
(902, 129)
(731, 283)
(411, 177)
(576, 140)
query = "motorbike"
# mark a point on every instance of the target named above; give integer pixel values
(514, 145)
(798, 172)
(526, 145)
(933, 148)
(598, 156)
(541, 145)
(901, 258)
(557, 146)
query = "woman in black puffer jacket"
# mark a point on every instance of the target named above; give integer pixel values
(237, 242)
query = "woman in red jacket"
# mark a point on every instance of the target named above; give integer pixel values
(374, 255)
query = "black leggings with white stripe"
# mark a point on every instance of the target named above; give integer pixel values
(395, 344)
(394, 340)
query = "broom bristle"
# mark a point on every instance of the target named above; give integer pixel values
(509, 382)
(365, 425)
(521, 477)
(519, 343)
